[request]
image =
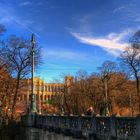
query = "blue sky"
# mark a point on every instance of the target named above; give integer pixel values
(73, 34)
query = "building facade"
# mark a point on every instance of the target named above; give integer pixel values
(44, 91)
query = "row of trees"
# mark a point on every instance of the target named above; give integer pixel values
(117, 84)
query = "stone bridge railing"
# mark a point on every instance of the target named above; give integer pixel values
(87, 126)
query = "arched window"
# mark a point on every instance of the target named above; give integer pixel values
(49, 98)
(45, 97)
(52, 89)
(49, 88)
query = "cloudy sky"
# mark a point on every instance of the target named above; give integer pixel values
(73, 34)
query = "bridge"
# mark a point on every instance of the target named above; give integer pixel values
(62, 127)
(39, 127)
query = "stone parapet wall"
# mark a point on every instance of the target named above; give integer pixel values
(86, 127)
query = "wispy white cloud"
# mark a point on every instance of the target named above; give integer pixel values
(5, 14)
(129, 11)
(83, 22)
(112, 43)
(85, 19)
(66, 60)
(28, 3)
(118, 37)
(64, 54)
(25, 3)
(118, 9)
(9, 15)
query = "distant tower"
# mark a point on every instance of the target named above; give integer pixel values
(69, 80)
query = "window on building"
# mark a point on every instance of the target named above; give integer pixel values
(49, 88)
(45, 88)
(41, 97)
(30, 88)
(40, 88)
(37, 97)
(52, 88)
(30, 97)
(58, 88)
(49, 98)
(45, 97)
(55, 88)
(62, 89)
(36, 87)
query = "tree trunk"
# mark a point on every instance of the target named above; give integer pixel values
(65, 100)
(138, 92)
(2, 102)
(15, 96)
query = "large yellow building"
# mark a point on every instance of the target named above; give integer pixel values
(44, 91)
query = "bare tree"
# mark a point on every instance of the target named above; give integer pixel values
(130, 58)
(106, 71)
(16, 54)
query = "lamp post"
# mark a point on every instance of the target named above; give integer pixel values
(33, 97)
(62, 100)
(106, 96)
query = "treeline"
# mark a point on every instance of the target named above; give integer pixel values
(89, 90)
(115, 85)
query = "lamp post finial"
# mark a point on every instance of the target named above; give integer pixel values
(33, 39)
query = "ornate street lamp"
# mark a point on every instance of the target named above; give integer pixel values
(33, 96)
(62, 100)
(106, 96)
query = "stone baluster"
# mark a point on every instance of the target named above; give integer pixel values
(113, 127)
(138, 127)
